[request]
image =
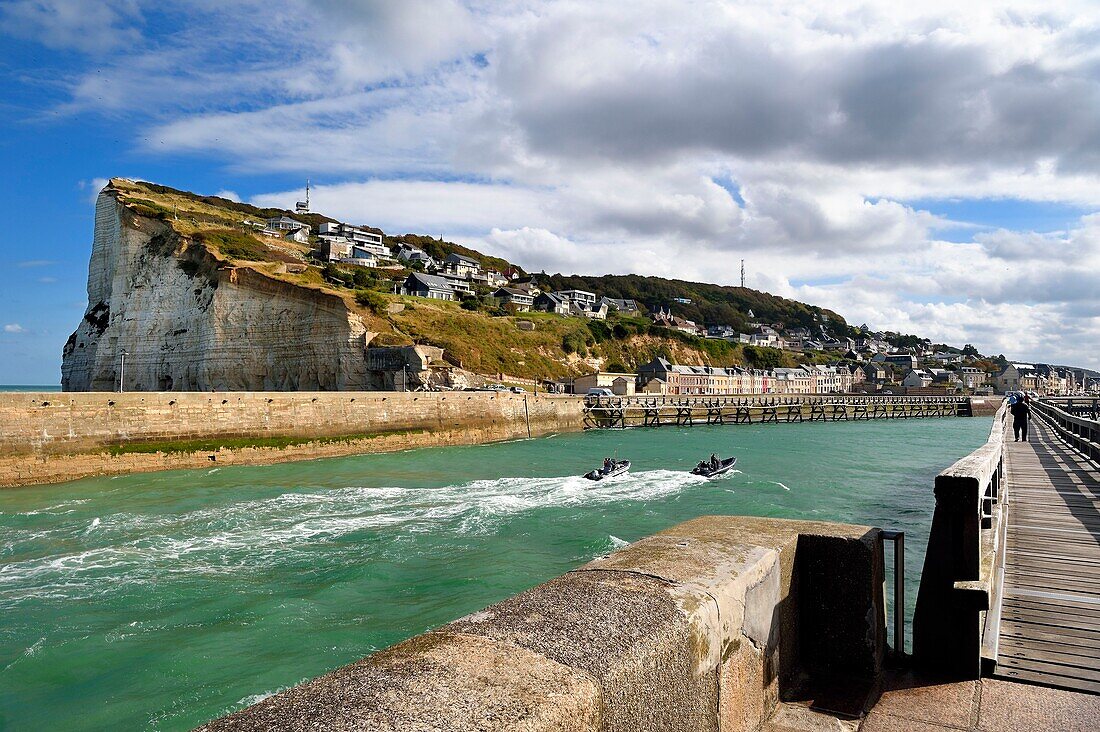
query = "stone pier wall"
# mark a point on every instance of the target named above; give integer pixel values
(704, 626)
(51, 437)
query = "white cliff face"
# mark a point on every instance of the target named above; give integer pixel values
(186, 325)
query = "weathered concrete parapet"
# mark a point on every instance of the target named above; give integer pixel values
(961, 577)
(700, 627)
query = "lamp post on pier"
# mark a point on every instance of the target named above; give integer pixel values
(122, 373)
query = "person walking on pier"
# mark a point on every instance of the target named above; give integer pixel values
(1021, 412)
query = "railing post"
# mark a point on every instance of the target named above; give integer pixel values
(898, 537)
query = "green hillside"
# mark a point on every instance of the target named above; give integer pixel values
(710, 304)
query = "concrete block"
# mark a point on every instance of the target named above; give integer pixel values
(626, 631)
(439, 683)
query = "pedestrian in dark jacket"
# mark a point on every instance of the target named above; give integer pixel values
(1021, 412)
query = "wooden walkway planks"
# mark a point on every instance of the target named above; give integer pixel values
(1050, 628)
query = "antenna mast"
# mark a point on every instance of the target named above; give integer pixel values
(302, 207)
(742, 268)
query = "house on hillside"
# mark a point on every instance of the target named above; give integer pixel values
(419, 284)
(1016, 377)
(944, 377)
(514, 299)
(370, 241)
(666, 319)
(917, 379)
(461, 266)
(874, 373)
(411, 255)
(549, 302)
(622, 307)
(287, 228)
(972, 377)
(361, 257)
(527, 286)
(840, 344)
(578, 296)
(596, 311)
(725, 332)
(902, 360)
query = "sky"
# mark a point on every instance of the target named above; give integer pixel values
(930, 168)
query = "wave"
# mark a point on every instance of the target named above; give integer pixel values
(275, 531)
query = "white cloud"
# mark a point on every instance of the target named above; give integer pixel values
(667, 137)
(14, 328)
(93, 187)
(92, 27)
(230, 195)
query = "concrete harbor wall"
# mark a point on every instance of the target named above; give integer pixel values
(704, 626)
(52, 437)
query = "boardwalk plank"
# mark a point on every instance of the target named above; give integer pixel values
(1050, 629)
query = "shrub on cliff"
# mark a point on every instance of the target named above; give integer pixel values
(235, 244)
(574, 343)
(372, 300)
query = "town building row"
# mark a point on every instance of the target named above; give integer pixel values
(662, 377)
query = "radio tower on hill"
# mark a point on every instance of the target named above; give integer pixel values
(742, 269)
(303, 206)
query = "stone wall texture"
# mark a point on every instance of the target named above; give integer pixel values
(50, 437)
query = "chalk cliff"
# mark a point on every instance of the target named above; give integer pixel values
(188, 320)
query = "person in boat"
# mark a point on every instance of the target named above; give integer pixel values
(714, 461)
(607, 465)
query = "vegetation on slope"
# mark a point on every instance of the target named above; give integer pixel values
(710, 304)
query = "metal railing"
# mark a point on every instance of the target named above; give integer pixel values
(1080, 433)
(1088, 407)
(898, 537)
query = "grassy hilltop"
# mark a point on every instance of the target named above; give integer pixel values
(476, 333)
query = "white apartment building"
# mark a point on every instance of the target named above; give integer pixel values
(339, 233)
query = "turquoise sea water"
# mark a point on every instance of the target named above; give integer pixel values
(160, 601)
(30, 387)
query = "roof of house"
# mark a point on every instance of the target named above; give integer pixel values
(453, 257)
(287, 220)
(431, 281)
(623, 304)
(512, 292)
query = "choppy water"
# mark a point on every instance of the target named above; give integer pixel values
(160, 601)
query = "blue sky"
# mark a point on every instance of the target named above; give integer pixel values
(933, 170)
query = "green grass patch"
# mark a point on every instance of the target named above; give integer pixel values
(151, 209)
(236, 443)
(236, 244)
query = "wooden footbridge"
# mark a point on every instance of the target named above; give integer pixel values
(603, 412)
(1011, 582)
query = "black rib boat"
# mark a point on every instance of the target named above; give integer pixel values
(617, 467)
(706, 470)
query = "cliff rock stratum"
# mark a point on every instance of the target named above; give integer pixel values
(188, 320)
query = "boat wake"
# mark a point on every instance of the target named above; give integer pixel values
(124, 548)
